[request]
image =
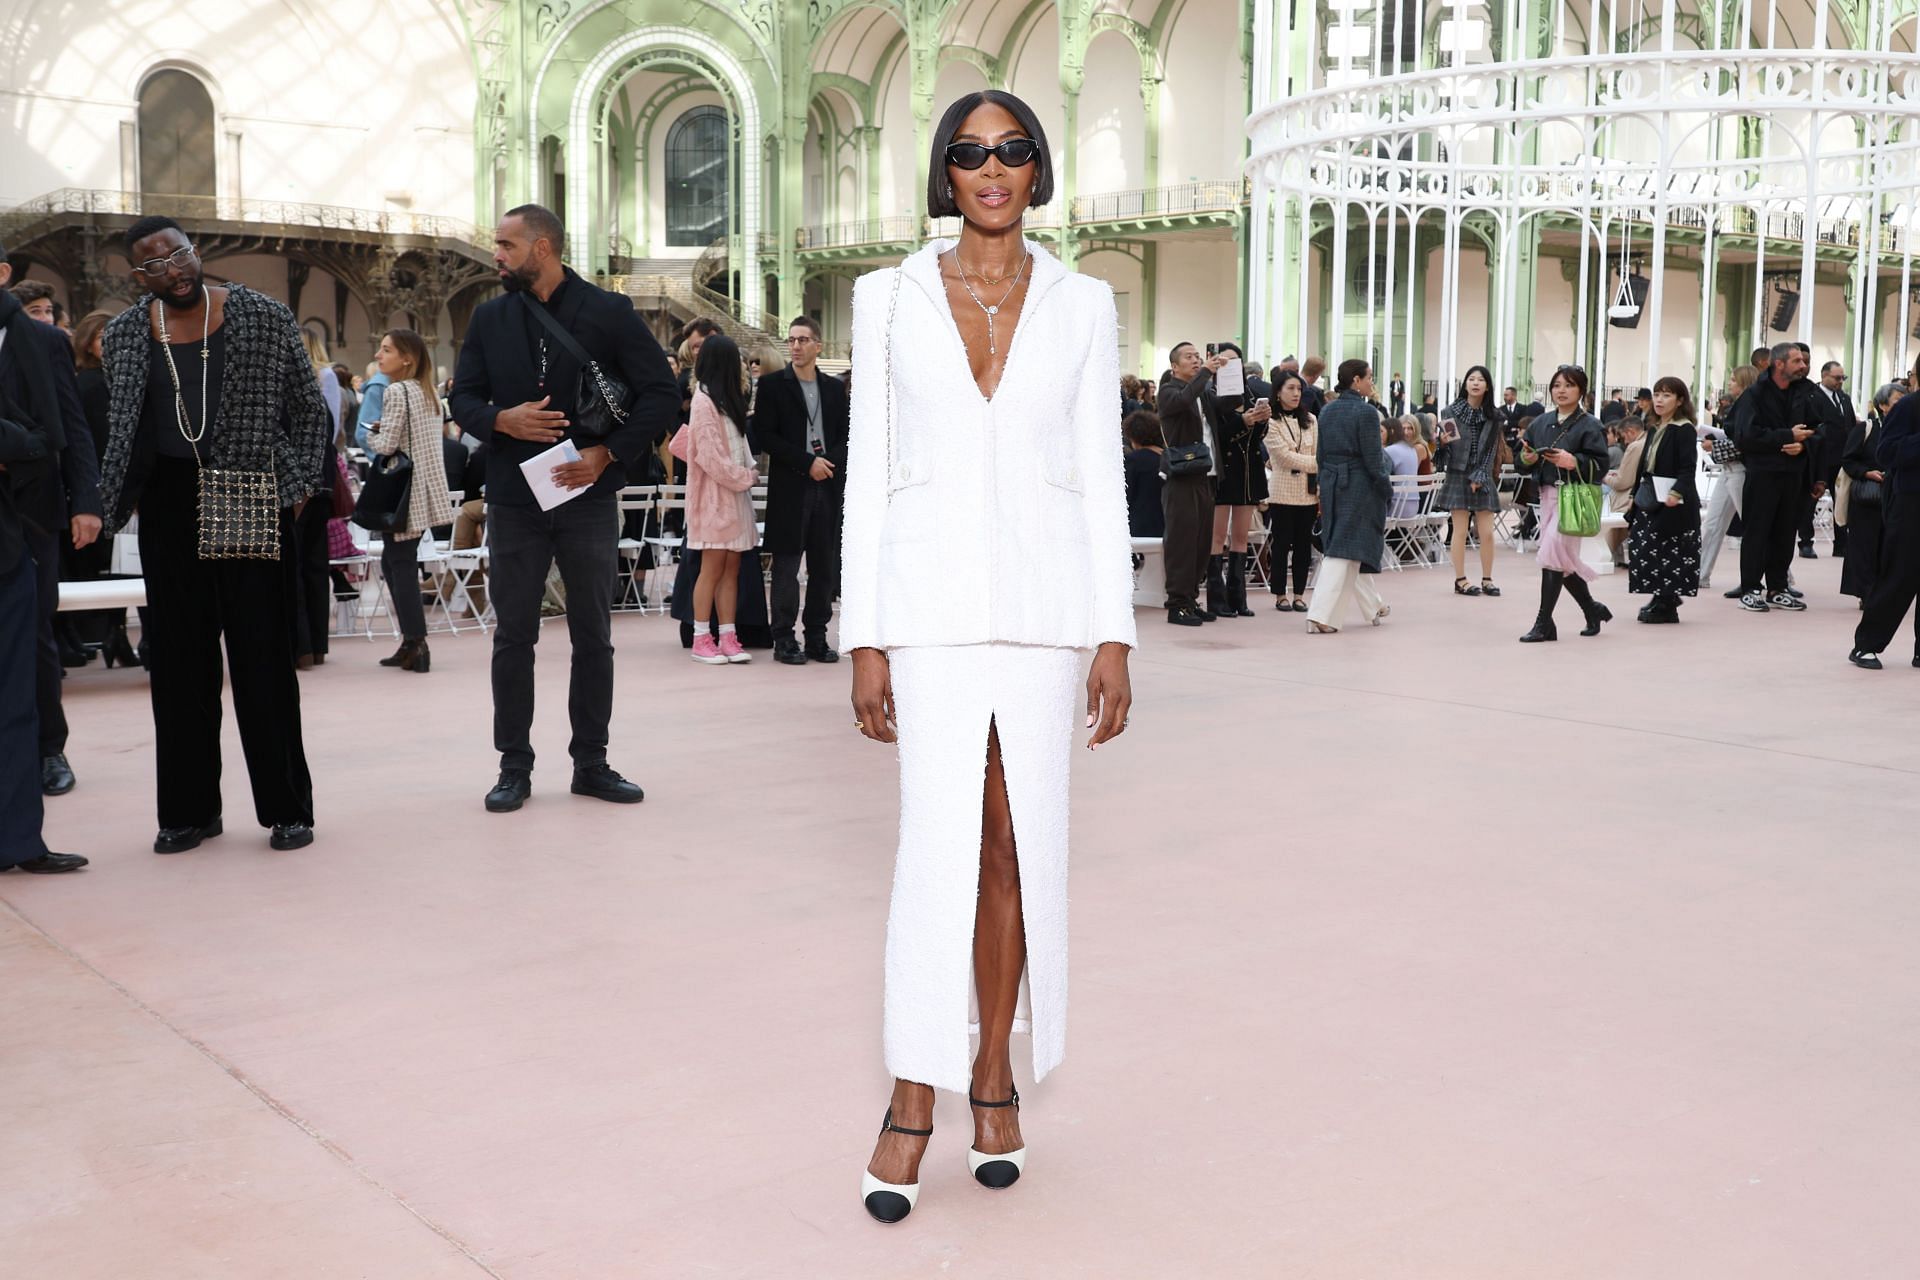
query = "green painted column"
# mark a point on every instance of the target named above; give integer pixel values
(923, 55)
(785, 210)
(1074, 16)
(869, 135)
(1150, 334)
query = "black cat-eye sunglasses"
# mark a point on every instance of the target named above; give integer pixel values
(1014, 152)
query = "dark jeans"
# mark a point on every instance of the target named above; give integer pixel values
(581, 537)
(820, 540)
(1189, 537)
(309, 582)
(1770, 511)
(191, 603)
(20, 802)
(44, 547)
(1898, 586)
(400, 567)
(1290, 536)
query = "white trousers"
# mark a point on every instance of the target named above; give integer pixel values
(945, 700)
(1339, 581)
(1720, 513)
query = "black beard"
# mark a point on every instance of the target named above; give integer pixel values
(517, 280)
(188, 303)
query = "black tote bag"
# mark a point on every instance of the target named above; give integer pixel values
(382, 507)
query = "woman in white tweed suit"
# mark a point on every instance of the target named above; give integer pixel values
(410, 423)
(987, 405)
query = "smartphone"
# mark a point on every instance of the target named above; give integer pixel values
(1213, 348)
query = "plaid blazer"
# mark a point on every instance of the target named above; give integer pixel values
(270, 415)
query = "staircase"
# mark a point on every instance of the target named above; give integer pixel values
(672, 280)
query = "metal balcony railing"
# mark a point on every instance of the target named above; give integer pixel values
(1187, 198)
(293, 213)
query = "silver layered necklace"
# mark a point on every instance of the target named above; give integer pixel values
(993, 346)
(180, 415)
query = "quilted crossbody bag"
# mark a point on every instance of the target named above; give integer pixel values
(239, 510)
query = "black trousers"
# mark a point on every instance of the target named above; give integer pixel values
(400, 567)
(191, 604)
(1898, 586)
(1189, 538)
(309, 581)
(1770, 512)
(44, 548)
(20, 803)
(581, 537)
(1290, 537)
(820, 543)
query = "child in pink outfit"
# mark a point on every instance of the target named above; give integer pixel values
(720, 475)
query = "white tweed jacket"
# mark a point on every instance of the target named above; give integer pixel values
(968, 520)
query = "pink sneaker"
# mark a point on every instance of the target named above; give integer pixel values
(731, 650)
(705, 650)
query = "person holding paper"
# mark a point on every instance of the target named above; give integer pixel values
(1663, 524)
(1240, 423)
(520, 388)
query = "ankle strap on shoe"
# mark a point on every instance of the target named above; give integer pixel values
(1014, 1101)
(888, 1126)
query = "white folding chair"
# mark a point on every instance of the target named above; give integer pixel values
(666, 546)
(635, 499)
(1403, 520)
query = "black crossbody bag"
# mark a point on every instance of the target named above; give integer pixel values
(599, 403)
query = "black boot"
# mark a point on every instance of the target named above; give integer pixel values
(1237, 583)
(1217, 603)
(1596, 613)
(402, 657)
(1543, 629)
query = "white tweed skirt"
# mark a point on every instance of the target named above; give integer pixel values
(945, 700)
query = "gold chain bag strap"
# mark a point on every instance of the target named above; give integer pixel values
(239, 510)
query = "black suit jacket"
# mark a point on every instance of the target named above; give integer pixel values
(779, 426)
(22, 444)
(1837, 423)
(64, 480)
(499, 368)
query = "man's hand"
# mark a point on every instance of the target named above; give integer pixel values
(86, 529)
(533, 422)
(578, 475)
(1217, 362)
(873, 695)
(821, 469)
(1802, 432)
(1877, 475)
(1794, 449)
(1819, 489)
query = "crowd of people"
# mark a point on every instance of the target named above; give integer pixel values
(201, 386)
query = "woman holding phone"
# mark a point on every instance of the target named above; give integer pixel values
(1566, 445)
(1294, 499)
(1470, 451)
(1663, 523)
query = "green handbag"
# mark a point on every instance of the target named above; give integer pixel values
(1579, 515)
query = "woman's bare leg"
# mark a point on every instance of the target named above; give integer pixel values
(1221, 512)
(1483, 522)
(999, 958)
(1240, 522)
(896, 1157)
(1457, 546)
(726, 592)
(705, 588)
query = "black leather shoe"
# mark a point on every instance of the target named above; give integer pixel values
(789, 652)
(1542, 633)
(291, 835)
(181, 839)
(1734, 594)
(1183, 617)
(510, 792)
(1807, 552)
(602, 783)
(818, 651)
(56, 776)
(51, 864)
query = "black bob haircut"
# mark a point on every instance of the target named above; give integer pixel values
(152, 224)
(939, 203)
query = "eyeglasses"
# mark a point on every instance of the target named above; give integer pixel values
(1014, 152)
(1570, 368)
(158, 266)
(801, 339)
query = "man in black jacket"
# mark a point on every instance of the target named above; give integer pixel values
(800, 419)
(58, 494)
(1774, 426)
(1186, 404)
(1834, 410)
(516, 388)
(23, 443)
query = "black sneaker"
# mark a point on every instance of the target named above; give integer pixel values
(1785, 600)
(1870, 661)
(1796, 593)
(1183, 617)
(1753, 602)
(1734, 594)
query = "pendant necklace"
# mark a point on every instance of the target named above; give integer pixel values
(180, 415)
(993, 348)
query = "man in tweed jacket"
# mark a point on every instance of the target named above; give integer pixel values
(240, 394)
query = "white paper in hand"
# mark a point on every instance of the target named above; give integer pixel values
(1662, 486)
(1231, 380)
(539, 473)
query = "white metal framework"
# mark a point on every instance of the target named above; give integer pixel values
(1757, 151)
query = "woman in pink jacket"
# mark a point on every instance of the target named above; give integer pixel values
(720, 473)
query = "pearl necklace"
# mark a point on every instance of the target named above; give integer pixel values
(180, 416)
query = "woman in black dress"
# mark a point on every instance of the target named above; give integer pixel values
(1238, 427)
(1470, 451)
(1663, 529)
(1146, 514)
(1866, 500)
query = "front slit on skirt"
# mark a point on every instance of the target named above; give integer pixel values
(945, 701)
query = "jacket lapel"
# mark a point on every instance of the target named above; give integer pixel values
(923, 268)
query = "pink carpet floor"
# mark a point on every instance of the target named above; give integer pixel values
(1409, 953)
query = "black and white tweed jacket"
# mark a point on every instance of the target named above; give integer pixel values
(270, 416)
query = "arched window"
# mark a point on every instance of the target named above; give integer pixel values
(697, 177)
(176, 136)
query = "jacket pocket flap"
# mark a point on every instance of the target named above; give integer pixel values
(1064, 473)
(908, 472)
